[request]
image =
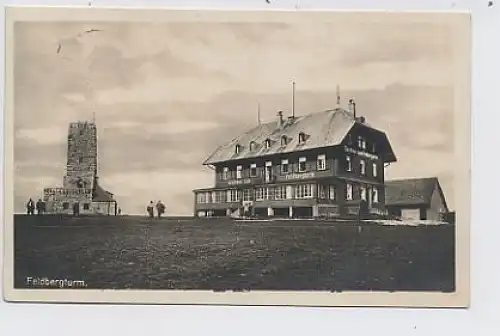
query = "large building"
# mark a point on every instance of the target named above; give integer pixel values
(416, 199)
(322, 164)
(80, 183)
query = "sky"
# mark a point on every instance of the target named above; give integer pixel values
(167, 94)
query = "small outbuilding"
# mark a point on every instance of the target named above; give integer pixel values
(416, 199)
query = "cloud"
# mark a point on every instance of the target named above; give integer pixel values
(166, 95)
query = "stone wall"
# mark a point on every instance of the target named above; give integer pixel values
(81, 168)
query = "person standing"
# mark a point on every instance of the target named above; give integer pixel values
(160, 208)
(150, 209)
(76, 209)
(39, 207)
(30, 207)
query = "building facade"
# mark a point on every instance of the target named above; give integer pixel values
(416, 199)
(80, 187)
(324, 164)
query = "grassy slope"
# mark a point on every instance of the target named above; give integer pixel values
(134, 252)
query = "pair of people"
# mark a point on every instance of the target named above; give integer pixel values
(30, 207)
(160, 209)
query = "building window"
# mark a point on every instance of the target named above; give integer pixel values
(302, 164)
(362, 167)
(269, 171)
(238, 172)
(220, 197)
(348, 163)
(247, 195)
(348, 195)
(284, 140)
(375, 195)
(321, 191)
(374, 148)
(65, 205)
(252, 145)
(321, 162)
(331, 192)
(374, 169)
(202, 198)
(268, 193)
(302, 138)
(361, 142)
(349, 139)
(284, 166)
(280, 192)
(86, 206)
(233, 195)
(253, 170)
(303, 190)
(237, 149)
(268, 143)
(259, 194)
(225, 173)
(362, 192)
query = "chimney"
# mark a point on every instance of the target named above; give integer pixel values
(280, 119)
(352, 107)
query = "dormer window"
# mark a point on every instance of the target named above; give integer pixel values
(302, 137)
(237, 149)
(284, 140)
(268, 143)
(252, 145)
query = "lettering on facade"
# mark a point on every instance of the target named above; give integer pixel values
(66, 192)
(238, 182)
(299, 176)
(360, 153)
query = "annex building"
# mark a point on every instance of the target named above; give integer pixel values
(416, 199)
(323, 164)
(80, 184)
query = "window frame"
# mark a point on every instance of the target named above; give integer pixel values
(321, 159)
(302, 160)
(349, 192)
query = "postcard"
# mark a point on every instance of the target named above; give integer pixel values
(296, 158)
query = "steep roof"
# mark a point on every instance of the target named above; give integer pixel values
(323, 129)
(101, 195)
(412, 191)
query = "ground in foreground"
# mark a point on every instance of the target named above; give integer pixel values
(140, 253)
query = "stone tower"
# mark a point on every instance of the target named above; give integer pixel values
(81, 167)
(80, 183)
